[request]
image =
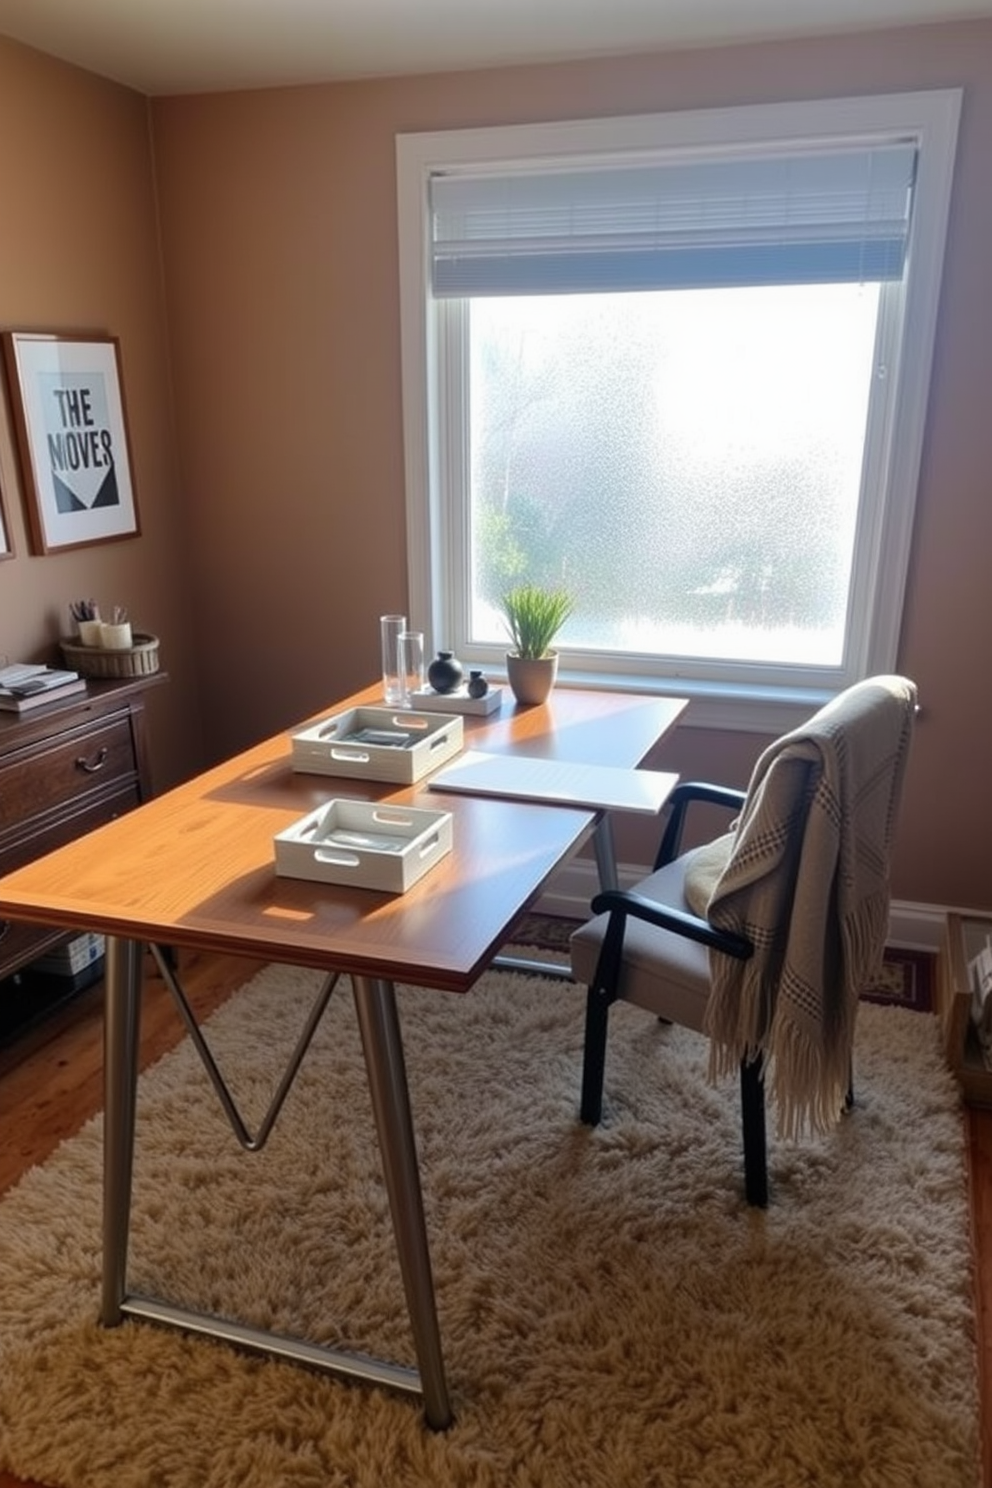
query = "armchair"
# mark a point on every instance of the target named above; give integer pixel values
(764, 939)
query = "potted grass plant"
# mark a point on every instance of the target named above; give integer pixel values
(533, 616)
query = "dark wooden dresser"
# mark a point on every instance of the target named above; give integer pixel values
(65, 768)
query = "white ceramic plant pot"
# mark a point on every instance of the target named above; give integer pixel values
(531, 678)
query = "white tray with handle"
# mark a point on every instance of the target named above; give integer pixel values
(397, 744)
(363, 844)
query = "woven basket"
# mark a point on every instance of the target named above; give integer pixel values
(139, 660)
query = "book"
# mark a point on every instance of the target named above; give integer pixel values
(23, 687)
(28, 677)
(14, 703)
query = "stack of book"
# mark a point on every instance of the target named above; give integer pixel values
(23, 686)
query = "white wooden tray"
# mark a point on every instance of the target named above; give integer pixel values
(458, 701)
(398, 744)
(365, 845)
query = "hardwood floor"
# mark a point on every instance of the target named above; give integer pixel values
(51, 1083)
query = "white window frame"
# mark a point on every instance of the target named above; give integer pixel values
(436, 480)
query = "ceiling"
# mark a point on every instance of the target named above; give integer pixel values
(186, 46)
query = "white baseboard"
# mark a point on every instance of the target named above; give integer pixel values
(914, 926)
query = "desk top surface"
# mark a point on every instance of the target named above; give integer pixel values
(196, 867)
(555, 782)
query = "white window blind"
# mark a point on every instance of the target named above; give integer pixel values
(807, 216)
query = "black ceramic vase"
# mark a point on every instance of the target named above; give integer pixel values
(445, 672)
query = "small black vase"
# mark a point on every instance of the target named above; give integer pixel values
(445, 672)
(477, 685)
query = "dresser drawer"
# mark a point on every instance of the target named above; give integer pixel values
(22, 943)
(65, 770)
(38, 781)
(42, 835)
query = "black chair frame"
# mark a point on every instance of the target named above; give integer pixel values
(622, 905)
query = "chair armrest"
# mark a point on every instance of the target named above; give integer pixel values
(679, 801)
(623, 904)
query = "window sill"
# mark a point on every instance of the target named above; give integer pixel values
(731, 707)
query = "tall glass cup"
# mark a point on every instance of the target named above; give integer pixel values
(411, 644)
(391, 627)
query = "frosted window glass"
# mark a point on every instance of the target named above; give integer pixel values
(688, 462)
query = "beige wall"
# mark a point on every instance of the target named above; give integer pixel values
(79, 251)
(279, 244)
(279, 236)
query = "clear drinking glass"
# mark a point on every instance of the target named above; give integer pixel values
(391, 628)
(411, 653)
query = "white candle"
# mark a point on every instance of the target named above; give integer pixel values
(115, 637)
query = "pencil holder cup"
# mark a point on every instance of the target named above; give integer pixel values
(90, 632)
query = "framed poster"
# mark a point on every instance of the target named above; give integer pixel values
(6, 547)
(68, 406)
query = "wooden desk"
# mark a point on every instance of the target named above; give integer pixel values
(195, 868)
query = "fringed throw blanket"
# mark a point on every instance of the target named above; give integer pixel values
(807, 883)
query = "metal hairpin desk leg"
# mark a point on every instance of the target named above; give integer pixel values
(122, 1017)
(376, 1006)
(375, 1002)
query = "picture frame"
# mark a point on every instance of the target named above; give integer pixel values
(6, 545)
(70, 424)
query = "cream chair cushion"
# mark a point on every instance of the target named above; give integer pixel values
(681, 993)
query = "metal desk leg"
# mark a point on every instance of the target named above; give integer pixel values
(122, 1017)
(606, 866)
(375, 1003)
(606, 858)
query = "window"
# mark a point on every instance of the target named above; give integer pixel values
(678, 364)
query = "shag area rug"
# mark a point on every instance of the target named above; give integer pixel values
(612, 1313)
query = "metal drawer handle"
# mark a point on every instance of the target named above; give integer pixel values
(92, 766)
(5, 926)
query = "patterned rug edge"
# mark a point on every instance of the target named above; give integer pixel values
(906, 980)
